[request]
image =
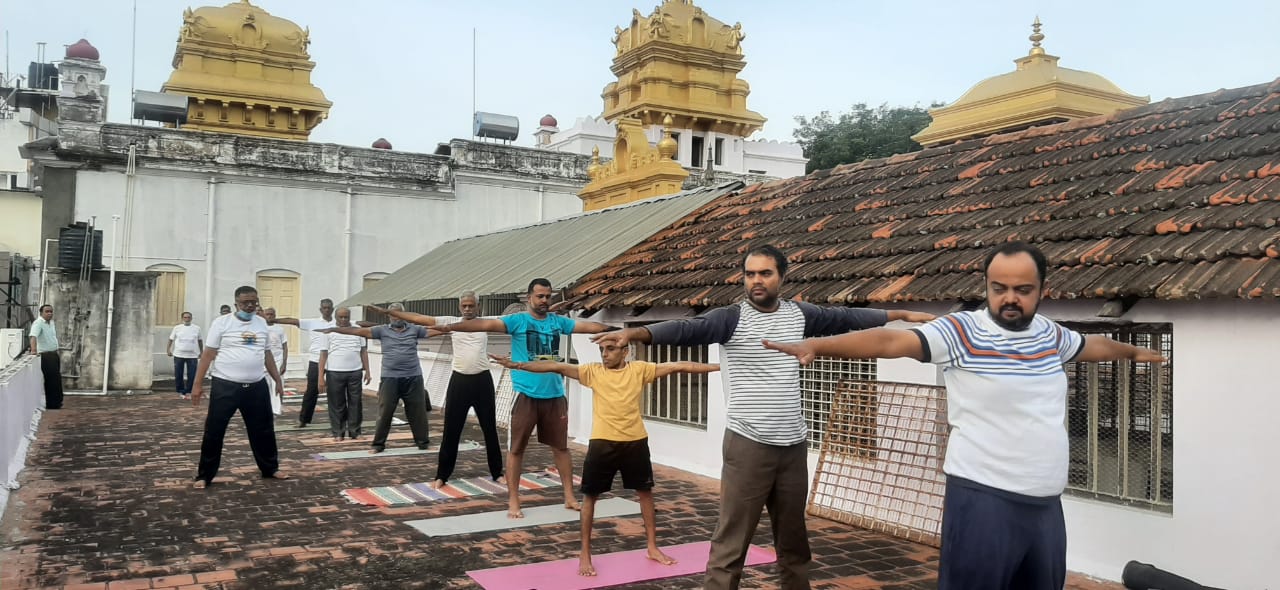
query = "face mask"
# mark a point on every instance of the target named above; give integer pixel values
(244, 316)
(398, 324)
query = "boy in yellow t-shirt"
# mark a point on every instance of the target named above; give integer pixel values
(619, 441)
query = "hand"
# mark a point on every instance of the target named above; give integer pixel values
(440, 328)
(32, 352)
(619, 338)
(802, 350)
(168, 352)
(1146, 355)
(280, 388)
(367, 378)
(379, 309)
(197, 392)
(504, 361)
(917, 317)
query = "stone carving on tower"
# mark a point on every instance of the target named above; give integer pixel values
(638, 170)
(246, 72)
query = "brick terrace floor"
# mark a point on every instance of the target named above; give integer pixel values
(105, 504)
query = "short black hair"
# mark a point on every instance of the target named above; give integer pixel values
(245, 289)
(225, 306)
(1012, 248)
(44, 306)
(326, 300)
(539, 282)
(771, 251)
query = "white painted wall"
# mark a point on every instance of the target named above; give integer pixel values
(1223, 529)
(13, 133)
(20, 222)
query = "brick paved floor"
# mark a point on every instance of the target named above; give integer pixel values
(105, 504)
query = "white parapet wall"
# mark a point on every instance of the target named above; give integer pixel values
(21, 403)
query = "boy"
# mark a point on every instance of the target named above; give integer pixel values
(619, 441)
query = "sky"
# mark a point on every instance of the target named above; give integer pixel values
(402, 69)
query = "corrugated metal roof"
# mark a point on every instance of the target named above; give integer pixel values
(562, 251)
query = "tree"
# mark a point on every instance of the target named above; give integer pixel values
(859, 134)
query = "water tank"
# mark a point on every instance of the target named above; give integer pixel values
(160, 106)
(42, 76)
(495, 126)
(71, 246)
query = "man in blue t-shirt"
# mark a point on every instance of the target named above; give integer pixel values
(540, 400)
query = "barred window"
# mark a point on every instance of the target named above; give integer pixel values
(1120, 421)
(679, 398)
(818, 383)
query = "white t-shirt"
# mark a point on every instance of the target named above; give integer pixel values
(470, 349)
(344, 352)
(276, 341)
(186, 341)
(242, 348)
(1006, 399)
(317, 339)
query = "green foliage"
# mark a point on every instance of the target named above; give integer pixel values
(859, 134)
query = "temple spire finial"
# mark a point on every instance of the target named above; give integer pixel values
(1036, 37)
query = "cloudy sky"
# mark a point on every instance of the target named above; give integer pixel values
(403, 68)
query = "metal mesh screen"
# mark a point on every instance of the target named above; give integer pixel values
(818, 382)
(880, 465)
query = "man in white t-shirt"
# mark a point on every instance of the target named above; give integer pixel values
(278, 343)
(185, 347)
(344, 363)
(470, 386)
(236, 355)
(1007, 454)
(316, 344)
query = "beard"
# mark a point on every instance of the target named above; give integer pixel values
(1015, 325)
(766, 301)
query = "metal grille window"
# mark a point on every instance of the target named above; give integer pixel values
(1120, 421)
(818, 383)
(678, 398)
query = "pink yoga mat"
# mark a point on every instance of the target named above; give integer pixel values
(612, 569)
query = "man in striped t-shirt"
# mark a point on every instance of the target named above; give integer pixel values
(765, 453)
(1007, 456)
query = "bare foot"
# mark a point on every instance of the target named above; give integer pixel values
(375, 451)
(200, 484)
(278, 475)
(584, 566)
(513, 509)
(502, 479)
(572, 504)
(660, 557)
(337, 439)
(437, 484)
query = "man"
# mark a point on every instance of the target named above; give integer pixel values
(470, 386)
(278, 344)
(237, 356)
(185, 347)
(540, 400)
(224, 310)
(344, 363)
(401, 378)
(44, 342)
(765, 451)
(314, 346)
(619, 442)
(1007, 455)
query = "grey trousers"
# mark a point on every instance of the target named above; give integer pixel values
(343, 389)
(391, 391)
(755, 476)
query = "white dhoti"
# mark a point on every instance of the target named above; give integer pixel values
(276, 405)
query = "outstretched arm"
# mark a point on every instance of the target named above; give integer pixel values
(587, 327)
(476, 325)
(353, 331)
(915, 317)
(622, 338)
(408, 316)
(286, 321)
(566, 369)
(1100, 348)
(665, 369)
(882, 343)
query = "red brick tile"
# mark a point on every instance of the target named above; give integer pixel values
(216, 576)
(97, 586)
(136, 584)
(172, 581)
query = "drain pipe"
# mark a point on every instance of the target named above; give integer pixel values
(346, 248)
(210, 309)
(111, 306)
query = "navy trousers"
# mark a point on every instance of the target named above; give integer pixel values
(998, 540)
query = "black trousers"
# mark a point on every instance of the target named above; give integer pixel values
(467, 392)
(344, 392)
(391, 391)
(254, 404)
(312, 395)
(51, 367)
(993, 539)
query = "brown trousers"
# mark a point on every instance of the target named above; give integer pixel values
(755, 476)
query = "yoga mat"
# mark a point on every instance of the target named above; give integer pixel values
(327, 441)
(292, 425)
(533, 516)
(466, 445)
(612, 569)
(421, 493)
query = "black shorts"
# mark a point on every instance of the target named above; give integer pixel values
(605, 458)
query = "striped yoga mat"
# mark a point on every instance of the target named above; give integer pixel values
(421, 493)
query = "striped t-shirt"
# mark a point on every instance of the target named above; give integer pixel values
(764, 385)
(1006, 399)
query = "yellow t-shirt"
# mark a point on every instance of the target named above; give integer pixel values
(615, 409)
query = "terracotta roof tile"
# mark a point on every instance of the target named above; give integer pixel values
(1175, 200)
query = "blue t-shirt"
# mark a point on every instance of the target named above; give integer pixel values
(531, 340)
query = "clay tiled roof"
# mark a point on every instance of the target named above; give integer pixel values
(1175, 200)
